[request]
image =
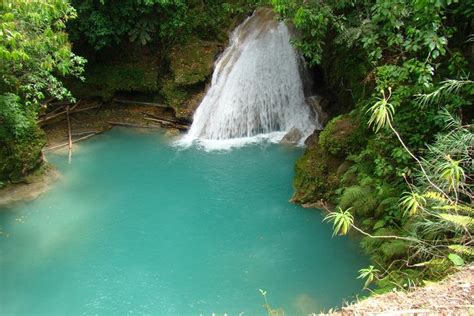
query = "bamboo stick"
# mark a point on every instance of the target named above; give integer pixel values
(69, 134)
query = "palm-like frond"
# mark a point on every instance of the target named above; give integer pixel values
(368, 274)
(450, 86)
(412, 202)
(381, 113)
(451, 171)
(343, 221)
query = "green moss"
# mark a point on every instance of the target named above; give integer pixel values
(191, 63)
(315, 175)
(340, 137)
(394, 249)
(19, 157)
(399, 280)
(104, 80)
(174, 95)
(367, 224)
(320, 169)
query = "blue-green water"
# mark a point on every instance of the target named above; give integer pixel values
(137, 226)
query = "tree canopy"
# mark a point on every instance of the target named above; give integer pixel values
(34, 54)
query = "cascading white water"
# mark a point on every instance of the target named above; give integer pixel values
(256, 87)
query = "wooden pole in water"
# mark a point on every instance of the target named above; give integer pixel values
(70, 134)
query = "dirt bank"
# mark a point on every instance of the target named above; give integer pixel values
(452, 296)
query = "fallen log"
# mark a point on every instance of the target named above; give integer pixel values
(168, 123)
(84, 133)
(75, 105)
(133, 125)
(174, 121)
(73, 141)
(140, 103)
(43, 121)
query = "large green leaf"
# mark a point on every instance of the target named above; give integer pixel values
(456, 260)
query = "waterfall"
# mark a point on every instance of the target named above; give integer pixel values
(256, 89)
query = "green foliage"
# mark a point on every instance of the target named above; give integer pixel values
(340, 137)
(368, 274)
(102, 23)
(459, 220)
(451, 172)
(343, 221)
(394, 249)
(404, 50)
(412, 202)
(34, 55)
(361, 198)
(462, 250)
(14, 117)
(21, 156)
(381, 113)
(34, 49)
(456, 260)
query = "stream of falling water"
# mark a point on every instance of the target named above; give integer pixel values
(256, 91)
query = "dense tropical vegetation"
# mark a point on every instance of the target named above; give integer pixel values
(34, 54)
(161, 47)
(399, 164)
(396, 161)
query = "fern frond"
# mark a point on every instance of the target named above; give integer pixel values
(350, 195)
(459, 220)
(462, 250)
(450, 86)
(436, 196)
(455, 208)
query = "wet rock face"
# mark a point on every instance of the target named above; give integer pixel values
(318, 104)
(292, 137)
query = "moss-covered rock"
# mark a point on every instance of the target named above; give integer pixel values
(394, 249)
(315, 177)
(319, 171)
(19, 157)
(175, 75)
(190, 67)
(191, 63)
(127, 69)
(340, 136)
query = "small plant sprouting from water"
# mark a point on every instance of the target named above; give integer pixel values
(270, 311)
